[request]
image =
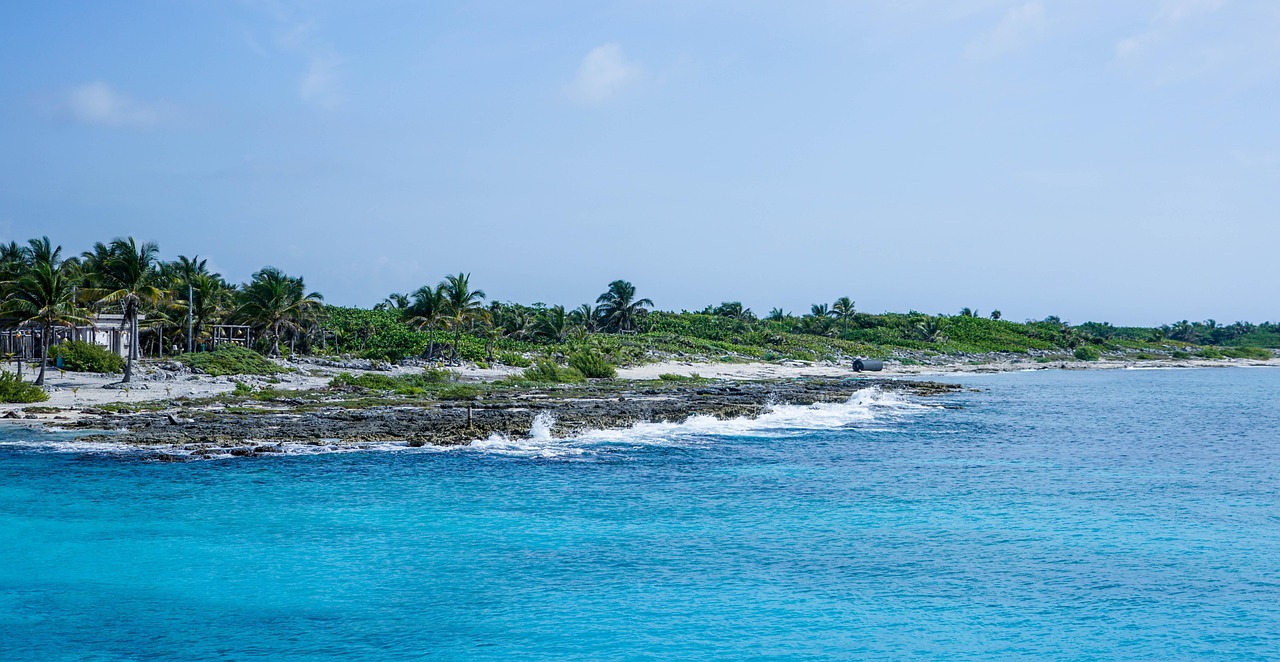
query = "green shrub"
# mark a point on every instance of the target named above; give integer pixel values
(242, 389)
(230, 360)
(513, 359)
(1087, 353)
(673, 377)
(1209, 353)
(458, 392)
(592, 364)
(549, 373)
(13, 389)
(1247, 353)
(80, 356)
(1143, 356)
(1180, 355)
(415, 384)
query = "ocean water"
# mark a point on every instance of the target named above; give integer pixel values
(1062, 515)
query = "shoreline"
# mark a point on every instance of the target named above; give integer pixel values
(175, 410)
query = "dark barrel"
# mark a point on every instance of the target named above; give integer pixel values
(867, 364)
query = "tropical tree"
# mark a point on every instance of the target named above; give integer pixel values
(125, 272)
(428, 310)
(778, 315)
(734, 310)
(553, 325)
(463, 304)
(996, 314)
(394, 301)
(843, 309)
(619, 308)
(209, 297)
(42, 296)
(932, 329)
(276, 302)
(586, 316)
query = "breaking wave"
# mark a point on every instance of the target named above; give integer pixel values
(869, 406)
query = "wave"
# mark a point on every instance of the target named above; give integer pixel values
(866, 406)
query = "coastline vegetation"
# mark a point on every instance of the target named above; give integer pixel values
(175, 309)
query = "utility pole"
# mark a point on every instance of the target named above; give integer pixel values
(190, 340)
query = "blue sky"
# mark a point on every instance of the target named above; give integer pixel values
(1090, 159)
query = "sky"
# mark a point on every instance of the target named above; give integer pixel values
(1091, 159)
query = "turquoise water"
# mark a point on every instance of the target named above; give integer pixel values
(1118, 515)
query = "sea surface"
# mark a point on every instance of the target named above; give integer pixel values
(1050, 515)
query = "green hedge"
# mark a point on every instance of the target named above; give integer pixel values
(230, 360)
(13, 389)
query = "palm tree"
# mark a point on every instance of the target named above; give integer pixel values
(463, 304)
(586, 316)
(427, 309)
(209, 295)
(619, 307)
(394, 301)
(843, 309)
(778, 315)
(275, 302)
(932, 329)
(43, 295)
(553, 325)
(126, 272)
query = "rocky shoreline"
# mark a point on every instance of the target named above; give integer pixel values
(213, 431)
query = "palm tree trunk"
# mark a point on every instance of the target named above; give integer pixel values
(133, 338)
(431, 341)
(44, 354)
(457, 336)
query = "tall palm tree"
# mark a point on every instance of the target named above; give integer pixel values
(619, 307)
(394, 301)
(209, 298)
(126, 274)
(463, 304)
(844, 310)
(428, 310)
(932, 329)
(42, 295)
(276, 302)
(777, 315)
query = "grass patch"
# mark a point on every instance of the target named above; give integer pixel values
(415, 384)
(1257, 353)
(458, 392)
(230, 360)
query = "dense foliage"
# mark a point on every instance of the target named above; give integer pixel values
(80, 356)
(230, 360)
(13, 389)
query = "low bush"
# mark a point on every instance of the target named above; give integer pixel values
(13, 389)
(80, 356)
(548, 372)
(513, 359)
(458, 392)
(592, 364)
(1209, 353)
(1087, 353)
(415, 384)
(1180, 355)
(1247, 353)
(230, 360)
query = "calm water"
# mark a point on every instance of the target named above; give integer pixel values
(1121, 515)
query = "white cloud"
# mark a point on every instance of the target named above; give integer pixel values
(1019, 27)
(321, 83)
(1172, 13)
(603, 75)
(97, 104)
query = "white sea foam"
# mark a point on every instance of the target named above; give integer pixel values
(865, 406)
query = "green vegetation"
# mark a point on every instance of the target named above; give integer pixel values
(592, 365)
(548, 372)
(230, 360)
(1087, 353)
(175, 305)
(413, 384)
(79, 356)
(13, 389)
